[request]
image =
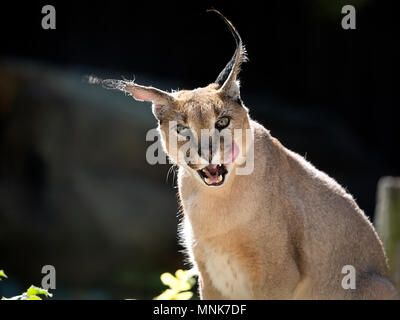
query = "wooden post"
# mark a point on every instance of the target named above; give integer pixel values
(387, 222)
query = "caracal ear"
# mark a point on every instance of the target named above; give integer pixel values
(228, 78)
(162, 100)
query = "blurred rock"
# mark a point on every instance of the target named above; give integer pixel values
(75, 188)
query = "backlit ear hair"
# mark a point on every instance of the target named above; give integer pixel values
(161, 100)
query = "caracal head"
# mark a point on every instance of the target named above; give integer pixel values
(203, 130)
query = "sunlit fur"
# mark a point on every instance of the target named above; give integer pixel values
(198, 110)
(285, 231)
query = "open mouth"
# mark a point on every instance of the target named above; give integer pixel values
(213, 174)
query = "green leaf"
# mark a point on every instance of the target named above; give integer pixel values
(34, 291)
(186, 277)
(168, 279)
(168, 294)
(34, 298)
(181, 275)
(179, 285)
(2, 274)
(175, 283)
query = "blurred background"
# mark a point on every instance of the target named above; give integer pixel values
(76, 191)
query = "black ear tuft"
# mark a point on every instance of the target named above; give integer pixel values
(223, 76)
(233, 66)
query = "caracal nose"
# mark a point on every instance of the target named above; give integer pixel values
(206, 151)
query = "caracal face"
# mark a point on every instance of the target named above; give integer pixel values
(204, 131)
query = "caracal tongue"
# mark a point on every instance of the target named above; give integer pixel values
(214, 179)
(231, 158)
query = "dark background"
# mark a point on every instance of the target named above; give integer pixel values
(75, 189)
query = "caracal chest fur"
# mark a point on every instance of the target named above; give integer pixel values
(239, 245)
(281, 230)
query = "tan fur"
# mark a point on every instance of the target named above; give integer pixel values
(286, 230)
(289, 226)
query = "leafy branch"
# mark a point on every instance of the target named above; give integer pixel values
(31, 294)
(179, 285)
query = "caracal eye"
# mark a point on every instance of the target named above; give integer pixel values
(222, 123)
